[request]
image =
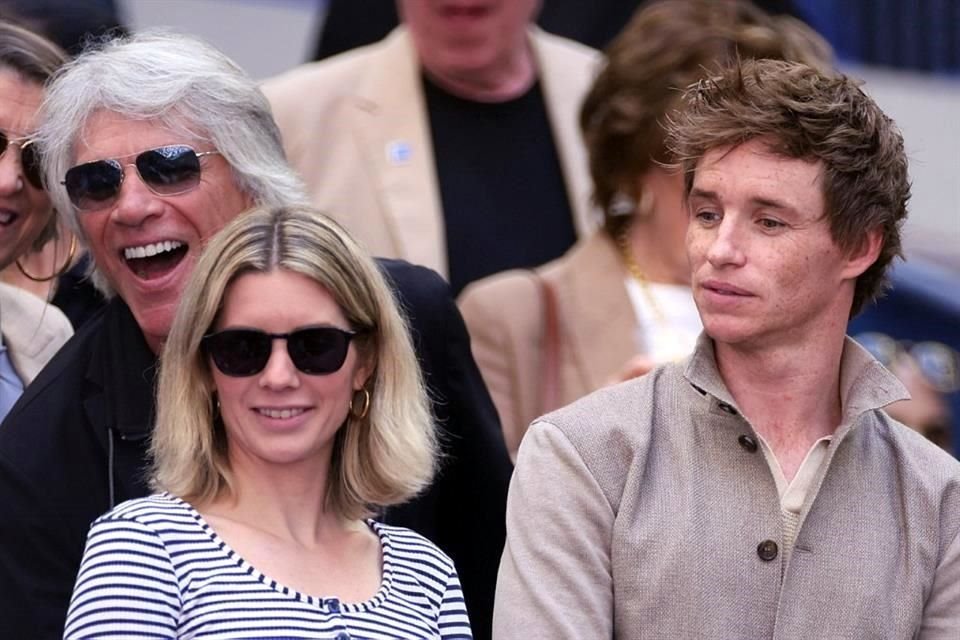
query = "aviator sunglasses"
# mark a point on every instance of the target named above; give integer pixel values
(29, 158)
(167, 171)
(245, 352)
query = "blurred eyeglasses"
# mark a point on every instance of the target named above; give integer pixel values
(939, 363)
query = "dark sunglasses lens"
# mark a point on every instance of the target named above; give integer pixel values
(318, 350)
(30, 159)
(169, 170)
(239, 352)
(91, 185)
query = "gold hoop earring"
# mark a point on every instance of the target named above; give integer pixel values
(362, 413)
(56, 274)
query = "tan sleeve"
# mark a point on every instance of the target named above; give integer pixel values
(941, 614)
(498, 323)
(555, 578)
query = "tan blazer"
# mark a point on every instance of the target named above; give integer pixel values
(356, 129)
(33, 330)
(504, 314)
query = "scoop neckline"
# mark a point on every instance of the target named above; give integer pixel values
(386, 578)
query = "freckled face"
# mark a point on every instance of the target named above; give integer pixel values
(765, 267)
(282, 416)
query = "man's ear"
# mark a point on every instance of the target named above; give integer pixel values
(862, 256)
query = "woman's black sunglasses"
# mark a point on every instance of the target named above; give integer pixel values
(167, 171)
(29, 158)
(245, 352)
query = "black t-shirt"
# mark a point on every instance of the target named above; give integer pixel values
(504, 199)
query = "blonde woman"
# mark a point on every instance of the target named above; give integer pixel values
(290, 409)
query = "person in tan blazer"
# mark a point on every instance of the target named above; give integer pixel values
(622, 300)
(356, 126)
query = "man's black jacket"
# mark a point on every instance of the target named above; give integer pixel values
(75, 444)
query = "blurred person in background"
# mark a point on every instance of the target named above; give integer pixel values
(282, 430)
(150, 146)
(31, 330)
(452, 143)
(619, 302)
(348, 24)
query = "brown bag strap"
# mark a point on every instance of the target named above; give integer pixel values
(550, 370)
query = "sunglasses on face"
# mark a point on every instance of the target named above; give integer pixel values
(167, 171)
(29, 158)
(245, 352)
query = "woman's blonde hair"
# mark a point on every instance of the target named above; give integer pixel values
(384, 458)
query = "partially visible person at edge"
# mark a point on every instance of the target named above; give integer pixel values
(451, 143)
(757, 489)
(620, 299)
(31, 330)
(281, 430)
(161, 140)
(56, 271)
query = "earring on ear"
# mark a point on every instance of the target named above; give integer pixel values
(71, 253)
(361, 413)
(621, 205)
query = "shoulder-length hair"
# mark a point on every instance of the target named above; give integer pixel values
(384, 458)
(182, 83)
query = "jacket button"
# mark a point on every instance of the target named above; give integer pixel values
(726, 408)
(767, 550)
(748, 443)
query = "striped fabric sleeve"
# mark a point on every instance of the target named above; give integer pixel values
(126, 586)
(453, 622)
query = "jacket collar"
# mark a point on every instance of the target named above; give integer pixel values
(865, 385)
(122, 375)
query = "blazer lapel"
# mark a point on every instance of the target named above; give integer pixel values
(600, 321)
(392, 130)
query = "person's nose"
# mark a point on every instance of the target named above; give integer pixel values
(11, 171)
(280, 372)
(135, 202)
(726, 244)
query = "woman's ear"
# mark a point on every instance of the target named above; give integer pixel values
(364, 370)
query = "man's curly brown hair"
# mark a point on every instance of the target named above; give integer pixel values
(804, 113)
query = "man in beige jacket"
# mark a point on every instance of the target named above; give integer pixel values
(757, 489)
(452, 143)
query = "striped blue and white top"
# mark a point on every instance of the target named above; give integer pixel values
(153, 568)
